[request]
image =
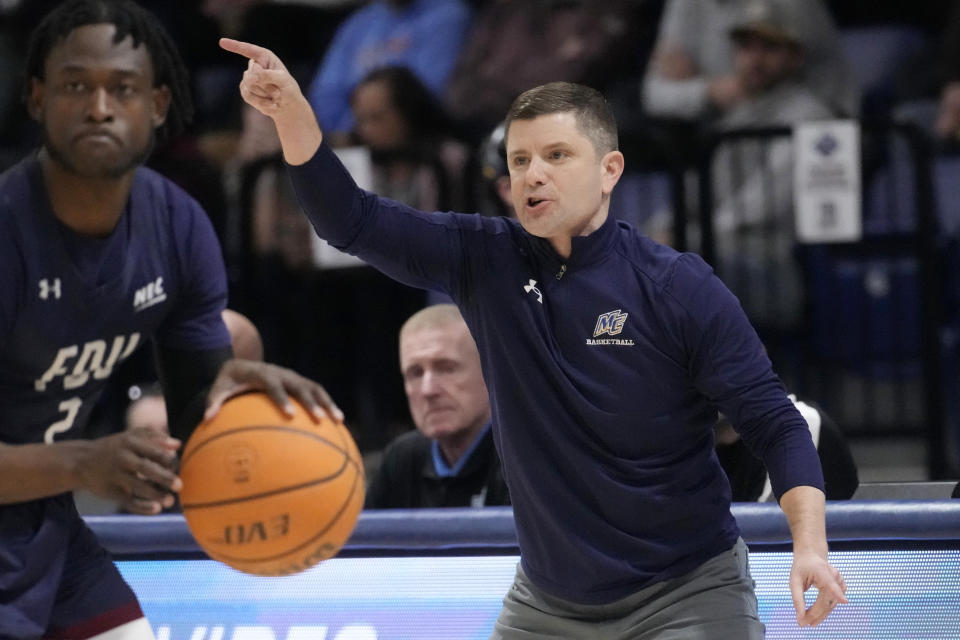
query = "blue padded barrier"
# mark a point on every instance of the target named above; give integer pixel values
(445, 531)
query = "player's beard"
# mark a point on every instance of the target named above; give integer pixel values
(122, 164)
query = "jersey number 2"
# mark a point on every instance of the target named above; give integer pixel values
(71, 406)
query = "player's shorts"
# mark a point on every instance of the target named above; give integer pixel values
(56, 581)
(715, 600)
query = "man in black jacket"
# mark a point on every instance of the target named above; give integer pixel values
(449, 460)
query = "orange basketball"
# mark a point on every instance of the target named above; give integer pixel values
(267, 493)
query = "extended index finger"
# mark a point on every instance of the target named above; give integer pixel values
(256, 53)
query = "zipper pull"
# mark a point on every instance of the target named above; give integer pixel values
(563, 270)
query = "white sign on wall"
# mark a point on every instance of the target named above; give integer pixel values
(827, 197)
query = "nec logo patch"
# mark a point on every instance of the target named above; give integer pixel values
(147, 296)
(610, 323)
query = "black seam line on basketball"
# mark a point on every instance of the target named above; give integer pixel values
(333, 445)
(344, 434)
(333, 520)
(267, 494)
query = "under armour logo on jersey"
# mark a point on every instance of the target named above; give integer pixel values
(533, 287)
(46, 289)
(149, 295)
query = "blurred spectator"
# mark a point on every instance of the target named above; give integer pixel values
(147, 410)
(424, 35)
(19, 134)
(514, 46)
(11, 63)
(891, 46)
(749, 481)
(769, 58)
(691, 75)
(298, 30)
(947, 124)
(415, 158)
(277, 225)
(753, 179)
(449, 460)
(244, 337)
(493, 184)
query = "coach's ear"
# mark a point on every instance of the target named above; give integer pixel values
(612, 167)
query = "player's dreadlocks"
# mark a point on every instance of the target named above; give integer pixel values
(130, 19)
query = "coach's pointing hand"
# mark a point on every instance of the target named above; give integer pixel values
(266, 85)
(269, 88)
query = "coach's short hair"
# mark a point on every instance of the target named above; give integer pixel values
(588, 106)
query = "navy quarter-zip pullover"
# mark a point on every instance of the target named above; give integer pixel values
(605, 372)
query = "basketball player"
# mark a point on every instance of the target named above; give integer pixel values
(607, 357)
(98, 256)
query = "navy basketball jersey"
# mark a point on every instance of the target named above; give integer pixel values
(73, 307)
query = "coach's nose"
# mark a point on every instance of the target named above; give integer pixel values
(536, 172)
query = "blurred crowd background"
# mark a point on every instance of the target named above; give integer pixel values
(705, 92)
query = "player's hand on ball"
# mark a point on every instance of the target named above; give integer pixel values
(135, 468)
(238, 376)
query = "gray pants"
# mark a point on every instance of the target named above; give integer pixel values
(715, 600)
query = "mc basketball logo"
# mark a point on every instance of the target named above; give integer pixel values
(610, 323)
(147, 296)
